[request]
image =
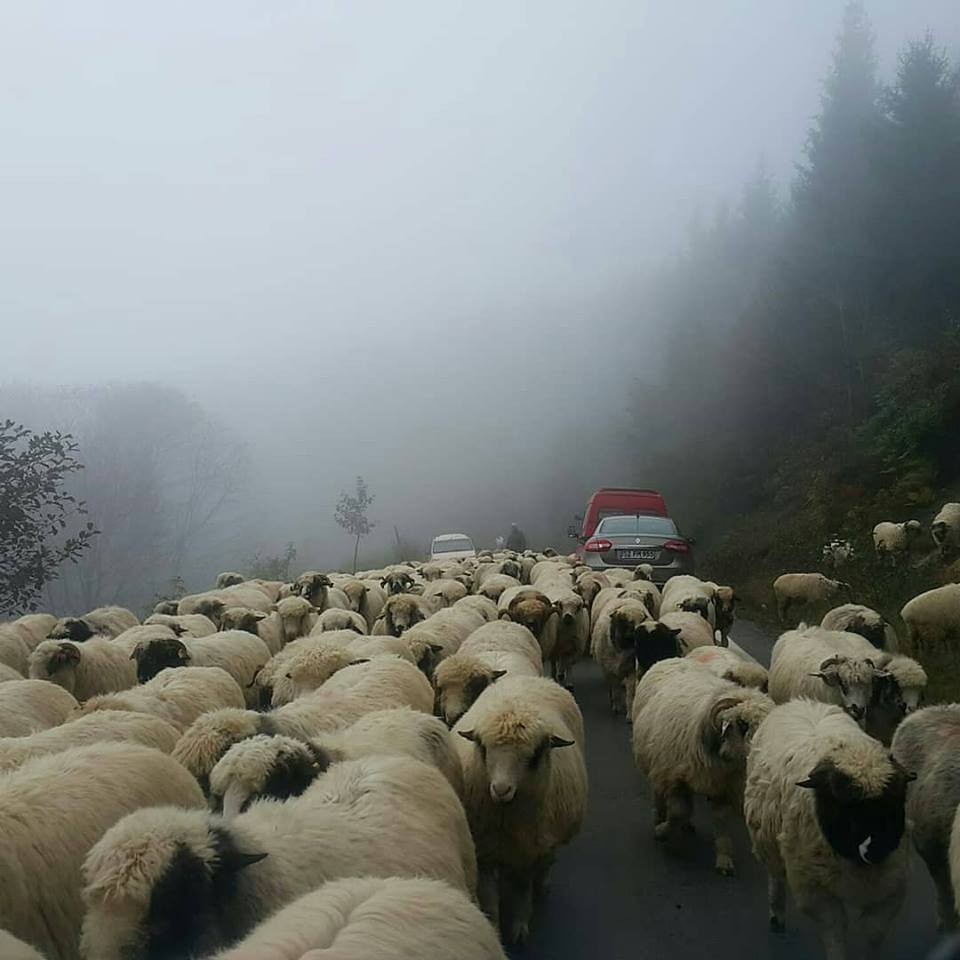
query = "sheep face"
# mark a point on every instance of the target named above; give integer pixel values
(698, 605)
(229, 579)
(312, 587)
(395, 583)
(727, 731)
(315, 667)
(854, 679)
(459, 685)
(168, 607)
(532, 612)
(240, 618)
(277, 768)
(71, 628)
(588, 588)
(654, 642)
(568, 608)
(860, 825)
(212, 608)
(626, 626)
(58, 665)
(726, 603)
(177, 908)
(156, 655)
(511, 568)
(400, 614)
(516, 760)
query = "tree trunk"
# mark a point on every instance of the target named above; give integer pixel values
(356, 551)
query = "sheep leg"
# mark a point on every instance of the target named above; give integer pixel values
(488, 891)
(629, 691)
(541, 876)
(940, 873)
(679, 812)
(659, 810)
(518, 906)
(830, 920)
(723, 819)
(875, 921)
(777, 900)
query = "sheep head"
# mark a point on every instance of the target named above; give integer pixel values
(459, 680)
(152, 656)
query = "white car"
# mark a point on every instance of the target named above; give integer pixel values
(452, 546)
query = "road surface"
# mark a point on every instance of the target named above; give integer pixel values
(616, 894)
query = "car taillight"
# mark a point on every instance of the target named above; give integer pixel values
(598, 546)
(677, 546)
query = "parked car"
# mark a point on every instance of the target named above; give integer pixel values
(452, 546)
(626, 541)
(616, 502)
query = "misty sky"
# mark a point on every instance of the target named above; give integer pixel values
(359, 230)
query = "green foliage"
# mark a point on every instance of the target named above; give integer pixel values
(275, 567)
(38, 515)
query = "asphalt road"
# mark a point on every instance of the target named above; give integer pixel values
(617, 894)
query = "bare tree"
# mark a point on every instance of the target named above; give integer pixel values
(351, 514)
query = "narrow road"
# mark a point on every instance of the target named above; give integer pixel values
(617, 894)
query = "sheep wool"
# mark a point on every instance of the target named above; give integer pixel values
(28, 706)
(85, 669)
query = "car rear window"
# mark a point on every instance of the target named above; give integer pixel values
(626, 526)
(452, 546)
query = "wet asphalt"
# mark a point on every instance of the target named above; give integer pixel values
(617, 894)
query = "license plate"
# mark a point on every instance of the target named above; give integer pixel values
(638, 554)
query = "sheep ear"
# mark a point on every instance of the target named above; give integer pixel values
(234, 860)
(676, 632)
(435, 647)
(360, 660)
(497, 674)
(557, 742)
(136, 653)
(468, 735)
(178, 628)
(807, 784)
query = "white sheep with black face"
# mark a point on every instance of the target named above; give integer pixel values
(102, 622)
(691, 733)
(824, 805)
(525, 790)
(945, 530)
(90, 668)
(894, 540)
(184, 883)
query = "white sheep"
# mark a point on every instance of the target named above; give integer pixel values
(115, 726)
(85, 669)
(482, 605)
(178, 695)
(824, 806)
(493, 587)
(825, 665)
(837, 553)
(894, 540)
(282, 767)
(447, 591)
(366, 597)
(102, 622)
(13, 949)
(926, 745)
(239, 653)
(731, 664)
(28, 706)
(334, 619)
(573, 629)
(390, 677)
(403, 611)
(933, 619)
(807, 592)
(364, 917)
(533, 610)
(377, 816)
(945, 529)
(273, 683)
(616, 638)
(32, 628)
(52, 811)
(190, 624)
(856, 618)
(525, 790)
(691, 734)
(692, 630)
(212, 603)
(318, 589)
(441, 635)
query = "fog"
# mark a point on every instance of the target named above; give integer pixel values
(403, 240)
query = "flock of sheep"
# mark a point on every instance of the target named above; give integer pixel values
(376, 766)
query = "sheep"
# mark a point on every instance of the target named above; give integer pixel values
(402, 611)
(176, 883)
(808, 591)
(448, 592)
(926, 744)
(212, 603)
(283, 767)
(533, 610)
(495, 650)
(493, 586)
(508, 566)
(95, 728)
(730, 664)
(52, 811)
(616, 638)
(239, 653)
(318, 590)
(573, 630)
(606, 596)
(102, 622)
(825, 665)
(525, 791)
(441, 635)
(363, 917)
(178, 695)
(397, 581)
(837, 553)
(28, 706)
(166, 607)
(334, 619)
(13, 949)
(394, 679)
(85, 669)
(32, 628)
(945, 529)
(190, 624)
(855, 618)
(482, 605)
(824, 806)
(692, 630)
(589, 584)
(691, 731)
(8, 673)
(702, 597)
(310, 669)
(933, 618)
(14, 652)
(366, 598)
(894, 540)
(649, 594)
(272, 681)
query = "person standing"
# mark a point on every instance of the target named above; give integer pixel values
(516, 541)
